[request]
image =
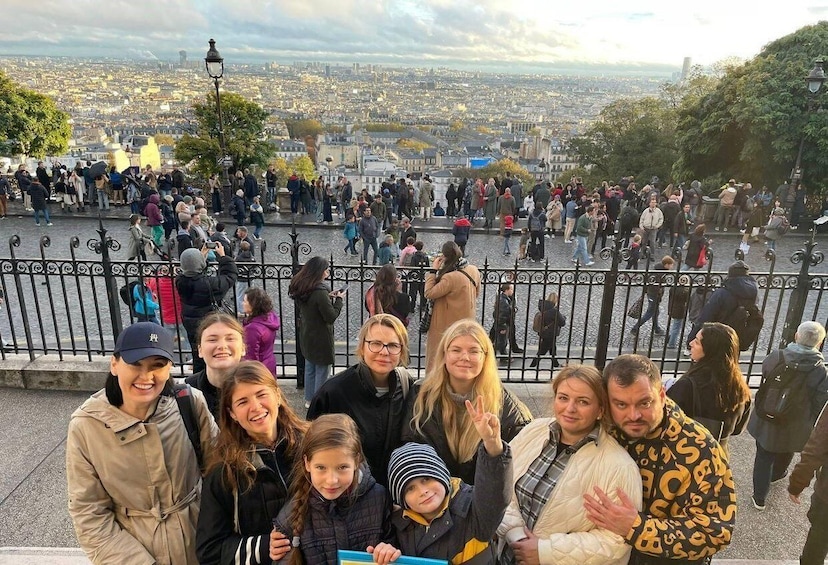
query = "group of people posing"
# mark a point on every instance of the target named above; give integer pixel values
(451, 466)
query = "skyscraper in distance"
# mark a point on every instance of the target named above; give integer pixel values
(685, 68)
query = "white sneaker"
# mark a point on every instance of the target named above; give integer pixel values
(547, 236)
(591, 263)
(49, 224)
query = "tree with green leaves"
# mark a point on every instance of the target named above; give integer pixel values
(630, 137)
(284, 168)
(300, 129)
(30, 122)
(498, 169)
(751, 123)
(243, 134)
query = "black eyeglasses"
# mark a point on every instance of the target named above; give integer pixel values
(377, 346)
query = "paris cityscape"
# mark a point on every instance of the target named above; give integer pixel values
(408, 129)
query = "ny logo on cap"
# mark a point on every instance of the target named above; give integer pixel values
(153, 337)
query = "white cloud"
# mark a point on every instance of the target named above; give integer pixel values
(468, 32)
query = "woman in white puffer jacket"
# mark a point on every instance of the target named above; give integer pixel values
(558, 460)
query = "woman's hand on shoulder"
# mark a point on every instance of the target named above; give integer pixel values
(487, 426)
(279, 545)
(384, 553)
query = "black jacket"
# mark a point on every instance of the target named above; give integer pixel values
(735, 291)
(702, 379)
(350, 522)
(791, 436)
(211, 393)
(504, 312)
(219, 539)
(551, 320)
(379, 419)
(513, 417)
(197, 293)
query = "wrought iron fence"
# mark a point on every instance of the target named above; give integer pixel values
(71, 306)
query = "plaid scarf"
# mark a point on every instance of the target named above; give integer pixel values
(534, 489)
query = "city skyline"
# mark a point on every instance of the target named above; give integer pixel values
(523, 36)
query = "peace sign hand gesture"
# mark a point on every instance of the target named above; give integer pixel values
(487, 426)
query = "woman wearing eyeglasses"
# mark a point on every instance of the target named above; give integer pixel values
(465, 368)
(373, 391)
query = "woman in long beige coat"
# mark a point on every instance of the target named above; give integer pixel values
(454, 290)
(134, 482)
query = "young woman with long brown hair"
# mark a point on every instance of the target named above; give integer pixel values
(248, 475)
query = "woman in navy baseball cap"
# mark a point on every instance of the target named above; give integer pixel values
(132, 470)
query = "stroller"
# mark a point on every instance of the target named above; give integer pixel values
(154, 253)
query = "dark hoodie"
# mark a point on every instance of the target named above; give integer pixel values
(735, 291)
(153, 211)
(461, 230)
(790, 435)
(551, 320)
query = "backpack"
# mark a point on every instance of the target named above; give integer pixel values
(782, 396)
(186, 407)
(420, 259)
(531, 225)
(127, 293)
(747, 322)
(537, 322)
(783, 228)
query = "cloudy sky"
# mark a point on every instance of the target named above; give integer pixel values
(471, 34)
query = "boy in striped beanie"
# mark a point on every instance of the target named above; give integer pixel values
(441, 517)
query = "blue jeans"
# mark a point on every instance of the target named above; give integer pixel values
(581, 249)
(366, 243)
(45, 213)
(315, 375)
(673, 333)
(767, 467)
(506, 249)
(103, 200)
(271, 195)
(652, 312)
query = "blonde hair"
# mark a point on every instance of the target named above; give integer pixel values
(553, 298)
(388, 321)
(435, 390)
(591, 377)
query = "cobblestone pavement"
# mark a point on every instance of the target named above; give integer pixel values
(579, 302)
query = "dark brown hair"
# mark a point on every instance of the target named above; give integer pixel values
(234, 444)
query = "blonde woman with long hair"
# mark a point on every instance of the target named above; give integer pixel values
(465, 368)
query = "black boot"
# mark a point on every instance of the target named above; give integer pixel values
(535, 362)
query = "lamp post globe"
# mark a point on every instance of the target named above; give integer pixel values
(214, 63)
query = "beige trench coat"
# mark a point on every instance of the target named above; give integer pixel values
(134, 487)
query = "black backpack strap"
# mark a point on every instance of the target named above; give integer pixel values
(186, 407)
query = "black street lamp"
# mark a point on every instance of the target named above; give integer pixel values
(814, 80)
(807, 257)
(215, 68)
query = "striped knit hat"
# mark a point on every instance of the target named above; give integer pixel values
(411, 461)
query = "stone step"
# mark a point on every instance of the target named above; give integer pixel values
(74, 556)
